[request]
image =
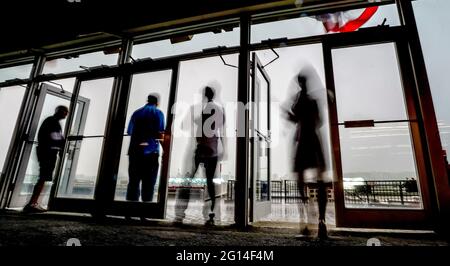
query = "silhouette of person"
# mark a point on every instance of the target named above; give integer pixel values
(50, 143)
(308, 152)
(209, 150)
(146, 128)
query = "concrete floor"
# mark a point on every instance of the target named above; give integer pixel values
(54, 229)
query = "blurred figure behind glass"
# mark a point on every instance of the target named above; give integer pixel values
(305, 113)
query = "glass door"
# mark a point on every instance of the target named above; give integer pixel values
(49, 98)
(86, 126)
(141, 187)
(375, 133)
(259, 142)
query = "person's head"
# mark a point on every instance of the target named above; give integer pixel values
(209, 93)
(301, 81)
(61, 112)
(153, 99)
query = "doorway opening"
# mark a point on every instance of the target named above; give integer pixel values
(284, 193)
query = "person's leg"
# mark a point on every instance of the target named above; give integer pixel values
(210, 169)
(184, 193)
(149, 178)
(302, 188)
(133, 183)
(302, 206)
(47, 162)
(37, 190)
(322, 199)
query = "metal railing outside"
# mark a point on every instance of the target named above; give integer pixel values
(398, 192)
(392, 192)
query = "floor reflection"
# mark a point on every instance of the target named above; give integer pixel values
(197, 212)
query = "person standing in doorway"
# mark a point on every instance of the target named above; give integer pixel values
(146, 129)
(50, 143)
(209, 150)
(308, 152)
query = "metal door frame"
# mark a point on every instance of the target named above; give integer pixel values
(380, 218)
(104, 202)
(74, 100)
(153, 209)
(44, 89)
(65, 203)
(254, 204)
(83, 116)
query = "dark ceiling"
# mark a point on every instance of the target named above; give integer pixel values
(33, 24)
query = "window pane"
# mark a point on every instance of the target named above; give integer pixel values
(20, 72)
(82, 158)
(311, 26)
(98, 94)
(368, 83)
(142, 86)
(198, 42)
(378, 167)
(10, 102)
(80, 176)
(62, 65)
(432, 23)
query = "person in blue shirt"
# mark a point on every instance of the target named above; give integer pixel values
(146, 130)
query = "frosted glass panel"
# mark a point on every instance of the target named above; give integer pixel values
(98, 92)
(368, 83)
(17, 72)
(10, 103)
(197, 43)
(432, 23)
(79, 179)
(62, 65)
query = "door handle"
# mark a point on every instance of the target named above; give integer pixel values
(359, 123)
(74, 138)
